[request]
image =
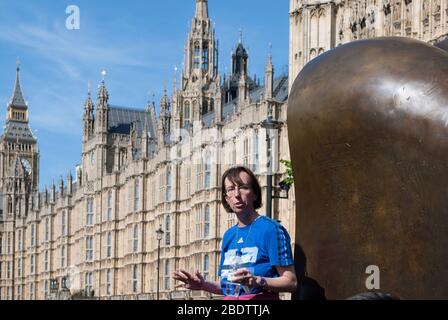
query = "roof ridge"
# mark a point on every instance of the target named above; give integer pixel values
(126, 108)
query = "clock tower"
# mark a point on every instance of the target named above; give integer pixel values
(19, 156)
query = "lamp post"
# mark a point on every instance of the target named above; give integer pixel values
(270, 125)
(159, 233)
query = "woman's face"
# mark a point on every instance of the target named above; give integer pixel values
(241, 197)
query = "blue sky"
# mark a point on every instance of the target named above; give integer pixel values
(138, 42)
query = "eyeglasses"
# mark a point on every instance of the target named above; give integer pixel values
(243, 189)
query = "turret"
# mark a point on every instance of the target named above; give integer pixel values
(88, 118)
(269, 78)
(102, 107)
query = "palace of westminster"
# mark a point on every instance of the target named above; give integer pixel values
(95, 233)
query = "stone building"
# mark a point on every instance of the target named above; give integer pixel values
(96, 232)
(320, 25)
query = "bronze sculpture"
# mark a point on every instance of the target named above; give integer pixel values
(369, 147)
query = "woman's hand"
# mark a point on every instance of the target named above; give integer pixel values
(195, 282)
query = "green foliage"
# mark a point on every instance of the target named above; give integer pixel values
(289, 172)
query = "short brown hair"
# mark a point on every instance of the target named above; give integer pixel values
(233, 174)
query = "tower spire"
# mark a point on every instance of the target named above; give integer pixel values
(201, 10)
(269, 76)
(17, 99)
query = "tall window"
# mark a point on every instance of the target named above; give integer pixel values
(31, 291)
(109, 245)
(33, 236)
(136, 194)
(63, 254)
(188, 189)
(47, 227)
(88, 283)
(89, 248)
(63, 224)
(46, 261)
(256, 156)
(168, 184)
(205, 58)
(196, 55)
(19, 267)
(167, 230)
(1, 243)
(46, 288)
(246, 152)
(167, 275)
(206, 267)
(135, 239)
(207, 222)
(199, 176)
(198, 222)
(9, 242)
(135, 279)
(109, 205)
(20, 240)
(186, 113)
(32, 264)
(19, 292)
(89, 217)
(208, 169)
(109, 282)
(8, 272)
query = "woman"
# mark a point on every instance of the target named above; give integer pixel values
(256, 259)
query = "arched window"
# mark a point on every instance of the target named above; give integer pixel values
(89, 216)
(186, 113)
(109, 205)
(19, 241)
(196, 55)
(135, 279)
(136, 194)
(33, 235)
(205, 57)
(46, 261)
(207, 222)
(63, 224)
(167, 275)
(109, 281)
(109, 245)
(256, 156)
(168, 231)
(168, 184)
(206, 267)
(208, 169)
(47, 229)
(135, 246)
(9, 204)
(63, 257)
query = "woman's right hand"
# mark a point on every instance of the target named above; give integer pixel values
(195, 282)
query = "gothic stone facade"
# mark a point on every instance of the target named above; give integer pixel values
(139, 173)
(320, 25)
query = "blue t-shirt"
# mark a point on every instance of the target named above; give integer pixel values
(259, 246)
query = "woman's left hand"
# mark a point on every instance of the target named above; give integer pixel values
(246, 278)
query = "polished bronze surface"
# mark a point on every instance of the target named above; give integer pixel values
(368, 132)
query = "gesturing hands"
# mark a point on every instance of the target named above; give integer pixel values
(246, 278)
(195, 282)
